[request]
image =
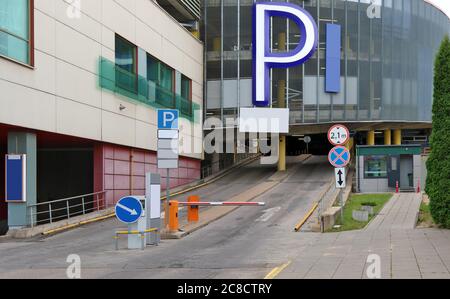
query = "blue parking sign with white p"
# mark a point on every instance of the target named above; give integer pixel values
(129, 209)
(168, 119)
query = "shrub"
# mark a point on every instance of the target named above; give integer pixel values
(438, 164)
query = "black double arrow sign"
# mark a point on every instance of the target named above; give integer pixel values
(341, 181)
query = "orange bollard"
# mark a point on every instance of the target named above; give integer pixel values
(193, 213)
(418, 186)
(173, 216)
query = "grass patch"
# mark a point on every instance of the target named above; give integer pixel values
(425, 218)
(355, 202)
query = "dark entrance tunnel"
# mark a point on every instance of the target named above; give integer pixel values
(319, 145)
(63, 173)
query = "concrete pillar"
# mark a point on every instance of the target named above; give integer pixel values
(23, 144)
(196, 34)
(350, 143)
(282, 41)
(282, 94)
(371, 138)
(282, 104)
(397, 137)
(217, 44)
(282, 154)
(387, 137)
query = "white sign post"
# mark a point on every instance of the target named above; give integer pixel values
(168, 142)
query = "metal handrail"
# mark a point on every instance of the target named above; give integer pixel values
(98, 198)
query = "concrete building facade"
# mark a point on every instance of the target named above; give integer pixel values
(81, 83)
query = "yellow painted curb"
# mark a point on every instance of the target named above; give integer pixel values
(56, 230)
(276, 271)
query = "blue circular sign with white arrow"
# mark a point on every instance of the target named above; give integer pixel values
(129, 209)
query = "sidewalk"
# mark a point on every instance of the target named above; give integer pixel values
(400, 212)
(405, 252)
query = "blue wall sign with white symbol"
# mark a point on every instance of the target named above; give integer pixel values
(16, 178)
(168, 119)
(339, 157)
(129, 209)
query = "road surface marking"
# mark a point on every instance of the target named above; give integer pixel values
(275, 272)
(267, 214)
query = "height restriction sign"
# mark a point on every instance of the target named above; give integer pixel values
(338, 135)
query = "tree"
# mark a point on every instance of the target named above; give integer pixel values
(438, 165)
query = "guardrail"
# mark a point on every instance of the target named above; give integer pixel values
(66, 208)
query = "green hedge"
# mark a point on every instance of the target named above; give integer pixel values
(438, 165)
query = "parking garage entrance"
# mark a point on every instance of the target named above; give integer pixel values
(57, 167)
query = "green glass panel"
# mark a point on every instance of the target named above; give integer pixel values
(118, 80)
(14, 17)
(13, 47)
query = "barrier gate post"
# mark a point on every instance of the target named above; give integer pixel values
(193, 211)
(173, 218)
(153, 202)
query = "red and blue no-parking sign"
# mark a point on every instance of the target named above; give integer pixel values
(339, 157)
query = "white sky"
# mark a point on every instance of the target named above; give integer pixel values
(443, 4)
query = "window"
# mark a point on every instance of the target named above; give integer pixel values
(160, 73)
(157, 84)
(186, 95)
(161, 82)
(16, 19)
(166, 77)
(125, 55)
(375, 167)
(152, 69)
(126, 66)
(186, 88)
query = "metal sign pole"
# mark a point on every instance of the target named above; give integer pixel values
(341, 198)
(167, 198)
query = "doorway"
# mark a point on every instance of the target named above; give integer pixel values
(406, 171)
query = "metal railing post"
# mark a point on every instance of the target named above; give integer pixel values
(84, 209)
(31, 217)
(50, 212)
(52, 218)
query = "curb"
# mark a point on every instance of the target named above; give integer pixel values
(108, 213)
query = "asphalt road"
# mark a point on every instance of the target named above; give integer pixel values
(247, 243)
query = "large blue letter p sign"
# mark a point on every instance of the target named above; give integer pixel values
(264, 59)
